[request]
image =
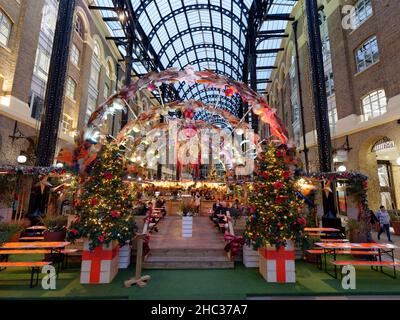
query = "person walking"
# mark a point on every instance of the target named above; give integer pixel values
(384, 221)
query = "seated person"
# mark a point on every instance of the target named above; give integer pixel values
(222, 214)
(160, 204)
(215, 209)
(152, 219)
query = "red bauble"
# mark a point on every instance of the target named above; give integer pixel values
(93, 201)
(278, 185)
(230, 91)
(107, 175)
(286, 174)
(115, 214)
(265, 175)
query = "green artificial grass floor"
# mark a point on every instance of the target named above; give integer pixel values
(237, 283)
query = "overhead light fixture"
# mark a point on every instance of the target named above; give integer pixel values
(121, 17)
(398, 161)
(342, 168)
(59, 165)
(21, 159)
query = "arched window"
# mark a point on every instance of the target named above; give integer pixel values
(362, 11)
(79, 26)
(96, 66)
(70, 88)
(367, 54)
(374, 104)
(109, 70)
(5, 29)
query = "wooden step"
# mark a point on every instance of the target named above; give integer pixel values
(152, 258)
(189, 265)
(192, 252)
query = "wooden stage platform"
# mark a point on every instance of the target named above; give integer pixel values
(205, 250)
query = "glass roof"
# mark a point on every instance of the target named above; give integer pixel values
(208, 34)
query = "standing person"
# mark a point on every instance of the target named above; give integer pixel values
(197, 202)
(384, 221)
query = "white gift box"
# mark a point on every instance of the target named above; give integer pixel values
(278, 266)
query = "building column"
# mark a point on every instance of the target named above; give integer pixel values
(320, 100)
(53, 103)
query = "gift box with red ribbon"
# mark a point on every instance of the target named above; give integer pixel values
(278, 265)
(101, 264)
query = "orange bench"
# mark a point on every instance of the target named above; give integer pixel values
(372, 264)
(35, 268)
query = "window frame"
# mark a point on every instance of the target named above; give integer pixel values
(6, 18)
(374, 93)
(70, 84)
(75, 55)
(369, 41)
(360, 6)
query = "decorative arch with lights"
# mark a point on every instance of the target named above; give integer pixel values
(196, 115)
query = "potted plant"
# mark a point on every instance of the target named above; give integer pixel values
(9, 232)
(357, 231)
(56, 228)
(187, 220)
(395, 222)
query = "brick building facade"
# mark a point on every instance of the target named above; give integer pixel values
(27, 31)
(361, 51)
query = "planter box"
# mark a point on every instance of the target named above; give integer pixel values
(99, 265)
(6, 214)
(250, 257)
(187, 227)
(124, 257)
(278, 266)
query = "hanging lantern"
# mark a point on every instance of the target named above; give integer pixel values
(190, 130)
(188, 114)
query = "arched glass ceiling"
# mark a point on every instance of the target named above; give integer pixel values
(208, 34)
(277, 7)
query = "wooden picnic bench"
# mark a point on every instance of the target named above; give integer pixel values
(34, 265)
(336, 248)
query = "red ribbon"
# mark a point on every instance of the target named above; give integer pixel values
(280, 256)
(95, 257)
(235, 244)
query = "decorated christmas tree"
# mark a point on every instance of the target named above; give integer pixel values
(104, 202)
(275, 211)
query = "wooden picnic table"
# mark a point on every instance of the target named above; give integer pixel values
(336, 248)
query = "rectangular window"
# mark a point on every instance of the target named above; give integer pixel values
(91, 106)
(75, 55)
(70, 89)
(42, 64)
(5, 29)
(367, 54)
(66, 124)
(332, 112)
(362, 11)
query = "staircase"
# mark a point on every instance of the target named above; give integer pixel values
(188, 259)
(205, 250)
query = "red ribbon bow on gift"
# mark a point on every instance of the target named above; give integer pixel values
(234, 245)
